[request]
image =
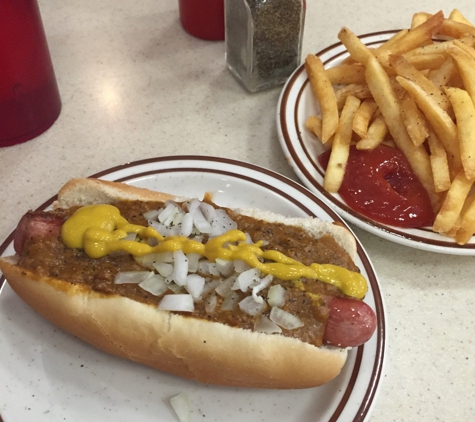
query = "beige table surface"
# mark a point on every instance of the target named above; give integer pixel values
(135, 85)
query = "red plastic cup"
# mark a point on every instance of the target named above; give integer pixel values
(29, 96)
(203, 18)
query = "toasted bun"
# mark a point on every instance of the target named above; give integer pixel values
(197, 349)
(80, 192)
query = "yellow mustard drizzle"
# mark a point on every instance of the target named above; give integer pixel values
(100, 230)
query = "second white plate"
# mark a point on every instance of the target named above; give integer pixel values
(301, 149)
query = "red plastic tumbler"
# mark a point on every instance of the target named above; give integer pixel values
(29, 96)
(203, 18)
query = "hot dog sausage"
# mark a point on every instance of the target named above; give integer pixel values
(36, 224)
(351, 323)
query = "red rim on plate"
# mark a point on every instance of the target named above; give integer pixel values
(203, 164)
(297, 145)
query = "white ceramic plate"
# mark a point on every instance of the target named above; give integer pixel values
(301, 149)
(48, 375)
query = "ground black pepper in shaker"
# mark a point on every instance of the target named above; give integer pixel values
(263, 40)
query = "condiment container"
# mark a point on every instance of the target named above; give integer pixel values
(203, 18)
(29, 96)
(263, 40)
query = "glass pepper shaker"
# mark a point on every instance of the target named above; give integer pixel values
(263, 40)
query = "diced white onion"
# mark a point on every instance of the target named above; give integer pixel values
(167, 212)
(163, 268)
(164, 230)
(177, 219)
(186, 225)
(210, 303)
(173, 231)
(208, 211)
(146, 260)
(193, 262)
(225, 286)
(173, 202)
(134, 277)
(230, 302)
(159, 227)
(203, 267)
(180, 268)
(177, 270)
(213, 269)
(177, 302)
(151, 215)
(248, 279)
(130, 236)
(149, 259)
(181, 406)
(222, 223)
(248, 239)
(155, 285)
(194, 285)
(265, 325)
(210, 285)
(249, 306)
(225, 267)
(276, 296)
(241, 266)
(263, 283)
(193, 205)
(165, 257)
(285, 319)
(200, 222)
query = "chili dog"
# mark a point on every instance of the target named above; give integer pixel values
(242, 298)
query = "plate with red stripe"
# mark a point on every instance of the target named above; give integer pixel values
(49, 375)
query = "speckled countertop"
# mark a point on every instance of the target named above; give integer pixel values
(135, 85)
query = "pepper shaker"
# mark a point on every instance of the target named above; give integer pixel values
(263, 40)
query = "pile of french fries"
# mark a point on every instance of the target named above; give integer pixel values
(416, 92)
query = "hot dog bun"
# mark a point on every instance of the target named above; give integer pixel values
(193, 348)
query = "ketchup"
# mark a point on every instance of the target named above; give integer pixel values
(381, 185)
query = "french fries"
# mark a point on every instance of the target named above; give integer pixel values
(341, 146)
(467, 225)
(363, 116)
(453, 204)
(457, 16)
(376, 134)
(441, 122)
(323, 90)
(414, 120)
(416, 90)
(439, 163)
(418, 35)
(380, 86)
(465, 114)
